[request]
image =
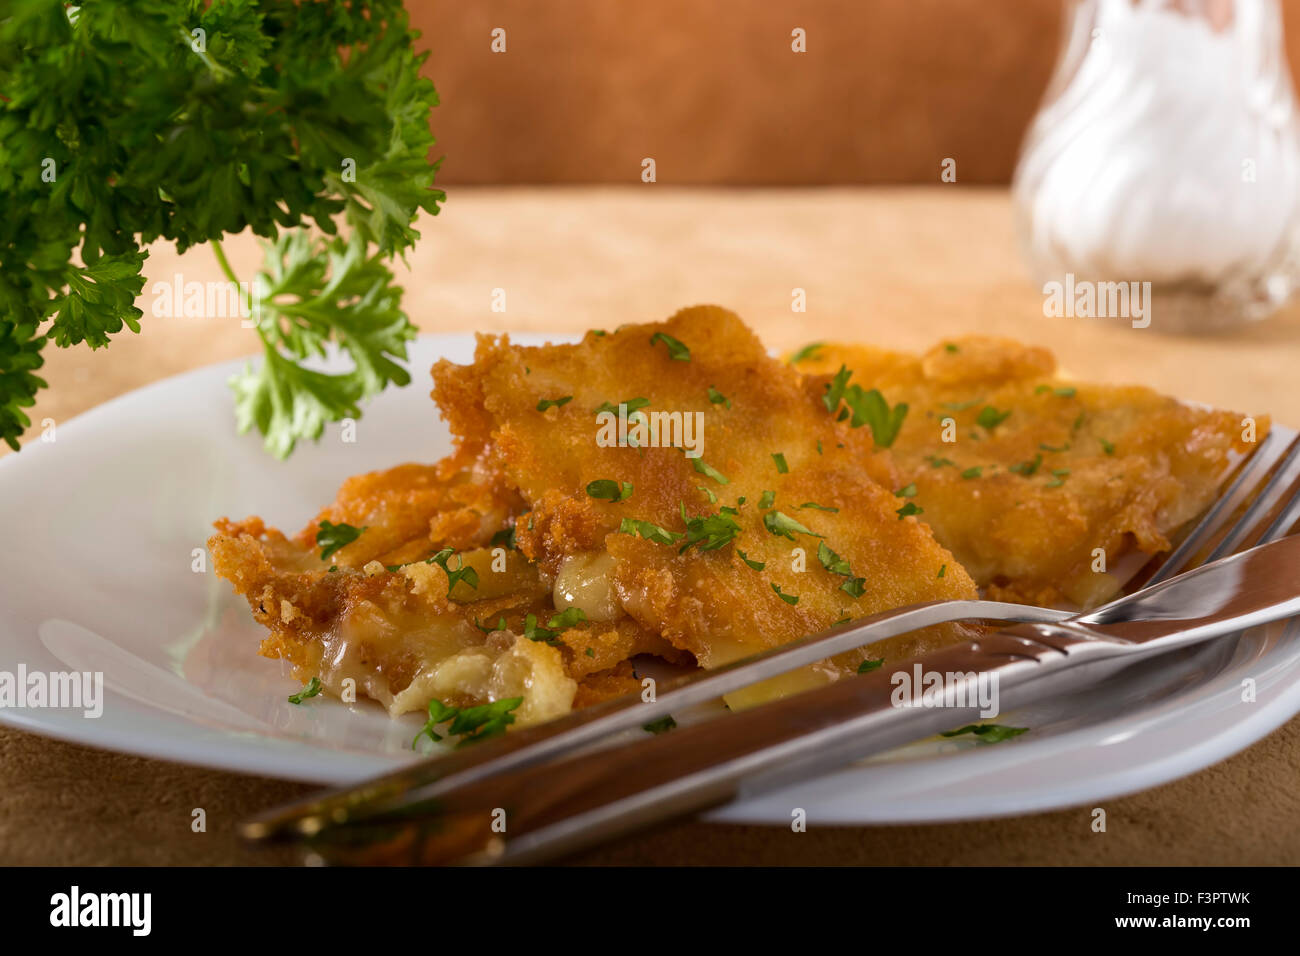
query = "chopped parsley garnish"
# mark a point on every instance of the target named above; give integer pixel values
(607, 489)
(911, 508)
(500, 626)
(835, 389)
(660, 726)
(505, 538)
(1027, 468)
(867, 408)
(649, 530)
(311, 690)
(471, 724)
(717, 398)
(676, 350)
(546, 403)
(1054, 448)
(937, 462)
(807, 352)
(631, 404)
(462, 573)
(550, 634)
(870, 665)
(780, 523)
(831, 561)
(787, 598)
(854, 586)
(331, 537)
(713, 499)
(781, 467)
(591, 652)
(988, 733)
(943, 568)
(1068, 392)
(755, 565)
(990, 417)
(708, 471)
(907, 491)
(1106, 446)
(709, 532)
(814, 505)
(974, 472)
(950, 347)
(767, 499)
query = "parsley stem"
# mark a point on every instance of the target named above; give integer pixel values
(220, 253)
(222, 261)
(213, 66)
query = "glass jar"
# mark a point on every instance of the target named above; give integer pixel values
(1165, 156)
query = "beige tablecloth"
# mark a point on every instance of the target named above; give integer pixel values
(903, 267)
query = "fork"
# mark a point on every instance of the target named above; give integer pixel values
(554, 788)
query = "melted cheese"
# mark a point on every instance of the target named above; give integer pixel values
(584, 582)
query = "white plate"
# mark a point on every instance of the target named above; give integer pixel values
(99, 528)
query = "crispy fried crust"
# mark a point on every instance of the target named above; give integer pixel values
(710, 603)
(384, 617)
(1073, 471)
(1021, 477)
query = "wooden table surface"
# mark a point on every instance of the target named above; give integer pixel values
(903, 267)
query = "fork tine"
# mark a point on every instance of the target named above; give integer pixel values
(1267, 511)
(1284, 515)
(1250, 473)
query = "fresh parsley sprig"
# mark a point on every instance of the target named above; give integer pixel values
(129, 121)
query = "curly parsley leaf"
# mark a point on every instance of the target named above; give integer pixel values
(462, 572)
(557, 625)
(780, 523)
(312, 689)
(471, 724)
(660, 726)
(649, 530)
(311, 293)
(677, 350)
(809, 351)
(607, 489)
(864, 407)
(120, 129)
(330, 537)
(791, 599)
(987, 733)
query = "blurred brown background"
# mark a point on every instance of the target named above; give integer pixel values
(712, 91)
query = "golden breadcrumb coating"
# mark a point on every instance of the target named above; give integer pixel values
(1028, 477)
(532, 414)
